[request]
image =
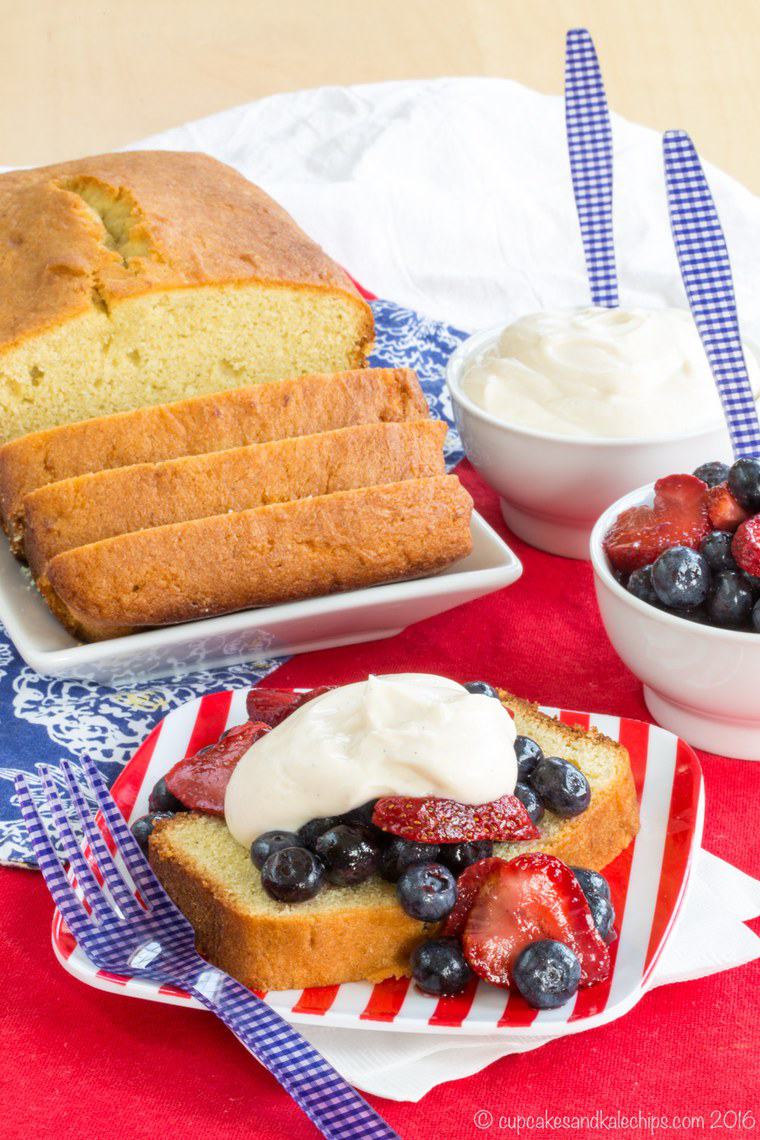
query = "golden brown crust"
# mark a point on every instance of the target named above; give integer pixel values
(99, 230)
(216, 422)
(274, 952)
(89, 508)
(265, 556)
(285, 948)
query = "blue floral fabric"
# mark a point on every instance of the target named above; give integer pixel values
(43, 720)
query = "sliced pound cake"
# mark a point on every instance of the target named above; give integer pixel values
(361, 933)
(136, 278)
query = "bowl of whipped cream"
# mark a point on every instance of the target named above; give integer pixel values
(564, 411)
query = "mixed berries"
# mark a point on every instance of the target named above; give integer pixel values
(695, 552)
(530, 921)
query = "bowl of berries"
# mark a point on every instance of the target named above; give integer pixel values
(677, 575)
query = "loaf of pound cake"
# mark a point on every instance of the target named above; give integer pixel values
(89, 508)
(265, 556)
(139, 278)
(357, 933)
(214, 422)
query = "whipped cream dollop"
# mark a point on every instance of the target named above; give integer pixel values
(594, 372)
(410, 734)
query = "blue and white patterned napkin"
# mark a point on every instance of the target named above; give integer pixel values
(43, 720)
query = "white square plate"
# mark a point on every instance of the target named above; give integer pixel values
(273, 631)
(647, 881)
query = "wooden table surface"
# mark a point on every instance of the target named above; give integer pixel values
(81, 76)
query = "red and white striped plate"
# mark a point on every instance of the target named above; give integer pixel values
(647, 881)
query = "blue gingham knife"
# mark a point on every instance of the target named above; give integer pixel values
(706, 273)
(126, 923)
(589, 140)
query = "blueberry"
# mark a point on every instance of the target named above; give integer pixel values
(348, 853)
(528, 755)
(603, 914)
(362, 815)
(439, 967)
(730, 603)
(547, 973)
(292, 875)
(402, 853)
(427, 891)
(562, 787)
(271, 841)
(591, 882)
(716, 551)
(530, 801)
(143, 826)
(756, 616)
(481, 688)
(754, 581)
(681, 577)
(744, 483)
(311, 831)
(640, 585)
(712, 473)
(457, 856)
(161, 799)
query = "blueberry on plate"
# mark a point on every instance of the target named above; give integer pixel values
(528, 755)
(756, 616)
(161, 799)
(712, 473)
(547, 973)
(143, 826)
(348, 853)
(603, 914)
(744, 483)
(439, 967)
(716, 551)
(754, 581)
(311, 831)
(481, 688)
(362, 815)
(269, 842)
(427, 891)
(457, 856)
(681, 577)
(292, 875)
(730, 602)
(530, 800)
(402, 853)
(561, 786)
(640, 585)
(592, 883)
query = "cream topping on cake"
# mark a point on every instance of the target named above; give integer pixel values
(604, 373)
(410, 734)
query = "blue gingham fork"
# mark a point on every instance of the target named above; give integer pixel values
(150, 938)
(589, 142)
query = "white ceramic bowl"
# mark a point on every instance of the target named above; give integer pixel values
(700, 682)
(553, 488)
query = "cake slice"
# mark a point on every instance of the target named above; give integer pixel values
(215, 422)
(269, 555)
(137, 278)
(360, 933)
(89, 508)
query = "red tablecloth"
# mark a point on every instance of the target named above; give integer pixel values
(78, 1063)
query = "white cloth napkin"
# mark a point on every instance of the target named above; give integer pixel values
(453, 197)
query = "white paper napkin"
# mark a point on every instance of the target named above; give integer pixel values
(710, 936)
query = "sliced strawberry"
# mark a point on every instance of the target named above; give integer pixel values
(678, 518)
(746, 546)
(432, 820)
(200, 781)
(272, 705)
(724, 511)
(468, 885)
(529, 898)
